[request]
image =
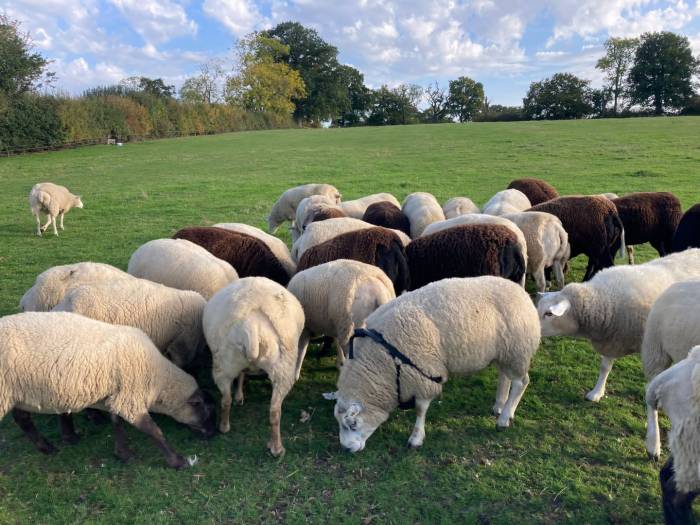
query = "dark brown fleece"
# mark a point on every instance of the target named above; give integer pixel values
(688, 232)
(247, 254)
(388, 215)
(650, 217)
(469, 250)
(327, 213)
(537, 190)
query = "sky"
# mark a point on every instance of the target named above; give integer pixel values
(505, 44)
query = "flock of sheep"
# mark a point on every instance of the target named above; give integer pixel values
(412, 293)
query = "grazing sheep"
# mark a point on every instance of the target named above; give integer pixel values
(422, 209)
(688, 231)
(649, 217)
(277, 246)
(51, 285)
(247, 254)
(377, 246)
(327, 213)
(459, 206)
(54, 201)
(181, 264)
(387, 215)
(255, 323)
(536, 190)
(59, 363)
(411, 345)
(677, 392)
(612, 308)
(357, 208)
(305, 211)
(547, 245)
(506, 201)
(594, 228)
(469, 250)
(609, 195)
(171, 318)
(335, 311)
(285, 207)
(319, 232)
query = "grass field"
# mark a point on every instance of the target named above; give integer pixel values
(565, 460)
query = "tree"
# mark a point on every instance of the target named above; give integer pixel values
(264, 83)
(21, 68)
(600, 98)
(408, 96)
(204, 87)
(564, 96)
(619, 54)
(437, 103)
(466, 98)
(662, 74)
(151, 86)
(357, 97)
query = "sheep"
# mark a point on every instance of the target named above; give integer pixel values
(377, 246)
(536, 190)
(422, 209)
(459, 206)
(677, 392)
(335, 311)
(59, 363)
(387, 215)
(181, 264)
(506, 201)
(412, 344)
(649, 217)
(247, 254)
(305, 211)
(256, 323)
(54, 201)
(357, 208)
(171, 318)
(594, 228)
(612, 308)
(547, 245)
(277, 246)
(285, 207)
(688, 231)
(319, 232)
(469, 250)
(51, 285)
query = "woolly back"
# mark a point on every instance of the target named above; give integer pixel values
(649, 213)
(687, 233)
(324, 214)
(388, 215)
(536, 190)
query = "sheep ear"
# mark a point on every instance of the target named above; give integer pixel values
(560, 308)
(330, 396)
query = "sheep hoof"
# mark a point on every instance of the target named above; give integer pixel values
(497, 410)
(414, 443)
(276, 451)
(46, 448)
(125, 455)
(593, 396)
(239, 401)
(502, 425)
(654, 456)
(224, 428)
(177, 462)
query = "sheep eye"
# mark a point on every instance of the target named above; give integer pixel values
(548, 314)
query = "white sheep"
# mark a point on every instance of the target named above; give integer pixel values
(59, 363)
(54, 201)
(338, 296)
(459, 206)
(318, 232)
(507, 201)
(306, 210)
(255, 323)
(181, 264)
(51, 285)
(612, 308)
(422, 209)
(357, 208)
(677, 392)
(171, 318)
(285, 207)
(277, 246)
(547, 245)
(411, 345)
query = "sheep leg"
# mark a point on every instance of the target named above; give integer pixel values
(96, 417)
(239, 397)
(68, 433)
(590, 269)
(678, 507)
(606, 364)
(559, 274)
(121, 448)
(146, 425)
(275, 444)
(653, 440)
(630, 254)
(48, 223)
(418, 434)
(517, 389)
(540, 281)
(225, 388)
(38, 223)
(53, 222)
(24, 421)
(501, 393)
(62, 214)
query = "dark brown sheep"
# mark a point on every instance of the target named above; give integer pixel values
(388, 215)
(688, 231)
(537, 190)
(323, 214)
(469, 250)
(593, 225)
(649, 217)
(377, 246)
(247, 254)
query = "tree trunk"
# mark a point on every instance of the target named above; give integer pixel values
(658, 105)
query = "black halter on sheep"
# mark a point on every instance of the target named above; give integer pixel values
(687, 233)
(470, 250)
(388, 215)
(537, 190)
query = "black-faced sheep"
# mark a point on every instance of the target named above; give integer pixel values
(688, 231)
(388, 215)
(536, 190)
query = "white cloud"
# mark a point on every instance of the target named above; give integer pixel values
(239, 16)
(156, 20)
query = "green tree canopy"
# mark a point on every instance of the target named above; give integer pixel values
(21, 68)
(563, 96)
(204, 87)
(619, 55)
(466, 98)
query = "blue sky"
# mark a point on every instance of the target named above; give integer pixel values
(506, 44)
